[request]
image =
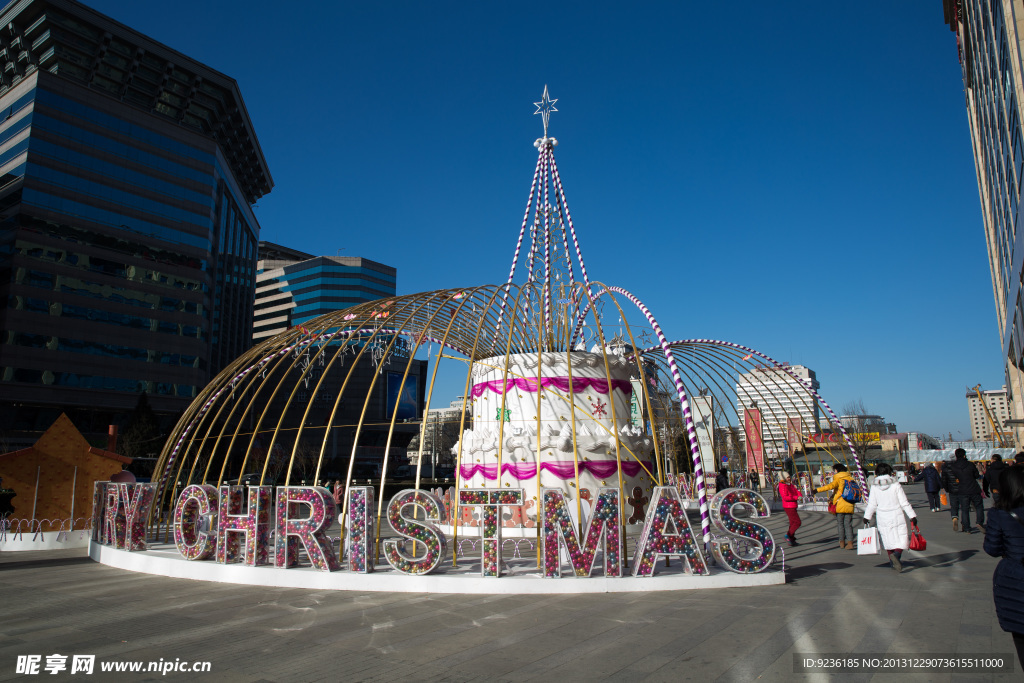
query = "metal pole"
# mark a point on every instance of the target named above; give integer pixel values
(35, 496)
(74, 480)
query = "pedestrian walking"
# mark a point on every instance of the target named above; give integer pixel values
(1004, 537)
(755, 481)
(970, 491)
(932, 484)
(844, 508)
(722, 480)
(888, 503)
(790, 496)
(951, 485)
(990, 482)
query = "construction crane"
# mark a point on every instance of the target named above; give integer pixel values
(988, 413)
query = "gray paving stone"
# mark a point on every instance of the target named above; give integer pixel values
(833, 601)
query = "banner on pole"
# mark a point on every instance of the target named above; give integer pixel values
(755, 446)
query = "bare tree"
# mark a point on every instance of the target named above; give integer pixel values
(864, 430)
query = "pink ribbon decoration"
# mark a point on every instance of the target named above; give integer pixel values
(563, 469)
(598, 384)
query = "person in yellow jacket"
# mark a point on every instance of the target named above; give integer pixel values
(844, 509)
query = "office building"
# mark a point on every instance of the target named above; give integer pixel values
(778, 395)
(992, 406)
(127, 240)
(988, 43)
(293, 286)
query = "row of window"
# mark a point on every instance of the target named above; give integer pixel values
(297, 274)
(120, 172)
(14, 127)
(41, 341)
(119, 125)
(74, 312)
(92, 188)
(96, 290)
(71, 207)
(72, 379)
(117, 244)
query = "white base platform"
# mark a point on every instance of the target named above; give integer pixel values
(49, 540)
(521, 576)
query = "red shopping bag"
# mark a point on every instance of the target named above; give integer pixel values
(917, 541)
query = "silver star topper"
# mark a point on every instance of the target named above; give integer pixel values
(545, 107)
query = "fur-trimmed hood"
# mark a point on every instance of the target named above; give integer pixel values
(885, 481)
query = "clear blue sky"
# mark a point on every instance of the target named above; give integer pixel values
(795, 177)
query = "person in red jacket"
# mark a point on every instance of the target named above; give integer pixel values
(790, 496)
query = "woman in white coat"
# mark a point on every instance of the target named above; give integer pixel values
(889, 503)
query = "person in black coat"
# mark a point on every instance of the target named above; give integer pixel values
(970, 490)
(1004, 537)
(932, 483)
(722, 480)
(951, 485)
(990, 482)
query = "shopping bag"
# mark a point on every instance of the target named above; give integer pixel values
(867, 541)
(943, 498)
(917, 541)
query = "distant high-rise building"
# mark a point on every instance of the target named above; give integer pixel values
(293, 286)
(127, 241)
(778, 396)
(998, 403)
(989, 47)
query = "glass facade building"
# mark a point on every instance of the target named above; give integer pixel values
(128, 244)
(988, 39)
(293, 287)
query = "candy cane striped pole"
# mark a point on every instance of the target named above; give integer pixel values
(547, 242)
(779, 366)
(519, 244)
(568, 218)
(684, 401)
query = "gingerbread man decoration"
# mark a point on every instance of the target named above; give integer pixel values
(637, 501)
(527, 522)
(468, 518)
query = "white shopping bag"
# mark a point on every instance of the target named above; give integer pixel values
(867, 541)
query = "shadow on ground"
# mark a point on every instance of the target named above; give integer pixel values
(944, 559)
(55, 562)
(795, 574)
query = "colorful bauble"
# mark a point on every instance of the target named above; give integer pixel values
(667, 532)
(310, 529)
(195, 503)
(743, 547)
(429, 544)
(491, 501)
(253, 524)
(603, 533)
(360, 531)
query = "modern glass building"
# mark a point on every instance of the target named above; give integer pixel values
(293, 286)
(127, 241)
(988, 43)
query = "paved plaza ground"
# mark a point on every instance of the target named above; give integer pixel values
(834, 601)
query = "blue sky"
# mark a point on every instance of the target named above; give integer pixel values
(794, 177)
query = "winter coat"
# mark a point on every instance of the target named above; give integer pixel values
(836, 485)
(721, 482)
(990, 482)
(967, 472)
(932, 480)
(789, 494)
(1004, 537)
(950, 484)
(888, 503)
